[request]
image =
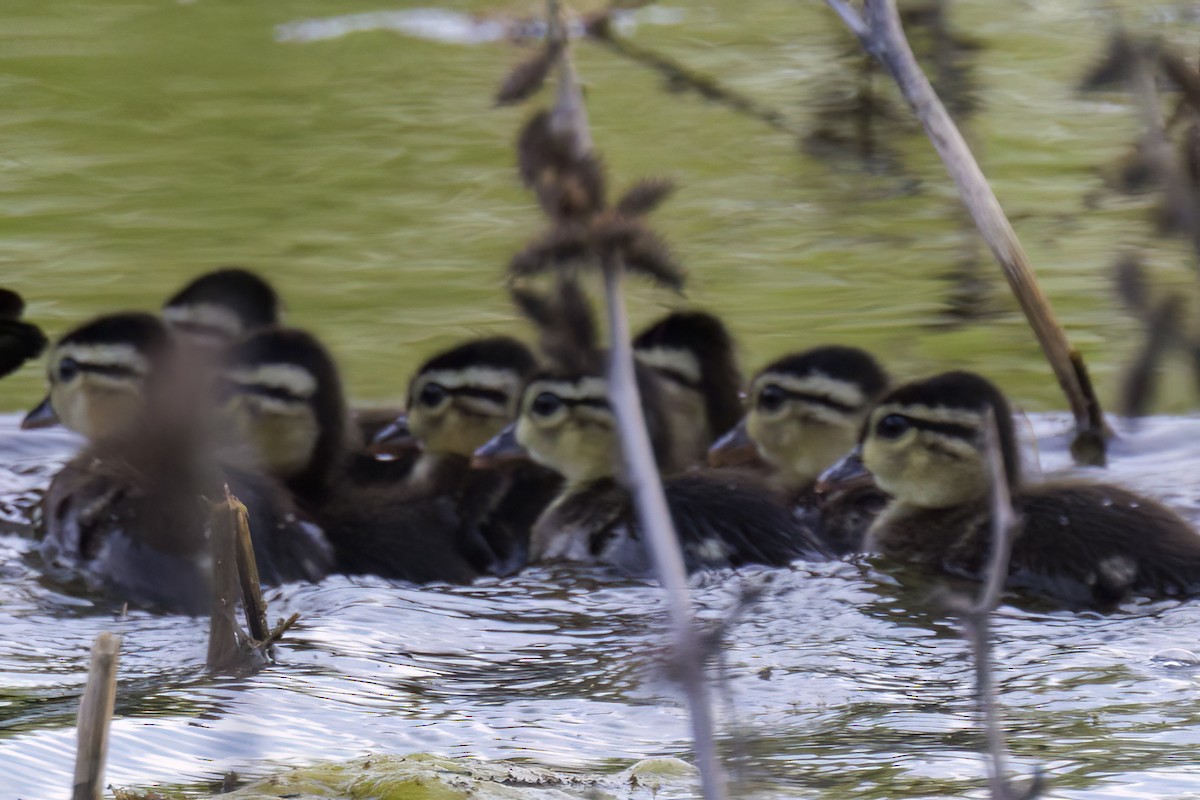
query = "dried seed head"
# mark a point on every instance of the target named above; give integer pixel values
(644, 196)
(529, 76)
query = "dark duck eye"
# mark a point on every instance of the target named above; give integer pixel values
(771, 397)
(893, 426)
(545, 404)
(432, 395)
(68, 368)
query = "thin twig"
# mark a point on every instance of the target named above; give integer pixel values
(651, 503)
(569, 122)
(882, 35)
(95, 715)
(976, 620)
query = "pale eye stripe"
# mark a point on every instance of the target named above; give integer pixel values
(204, 318)
(112, 359)
(278, 379)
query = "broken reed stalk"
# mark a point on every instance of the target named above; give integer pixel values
(95, 716)
(235, 575)
(254, 607)
(641, 473)
(879, 30)
(569, 120)
(225, 637)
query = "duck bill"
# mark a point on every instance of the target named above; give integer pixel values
(500, 448)
(393, 437)
(848, 473)
(734, 448)
(41, 417)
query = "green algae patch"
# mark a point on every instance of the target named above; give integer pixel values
(429, 777)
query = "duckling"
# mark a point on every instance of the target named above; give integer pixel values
(1083, 544)
(694, 354)
(286, 407)
(125, 513)
(805, 411)
(19, 341)
(134, 492)
(725, 519)
(457, 401)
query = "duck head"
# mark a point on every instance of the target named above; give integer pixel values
(925, 441)
(461, 398)
(807, 409)
(694, 355)
(102, 373)
(284, 407)
(221, 306)
(565, 422)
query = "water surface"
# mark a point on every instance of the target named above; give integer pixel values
(365, 172)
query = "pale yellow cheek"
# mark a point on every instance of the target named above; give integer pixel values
(285, 442)
(96, 412)
(459, 434)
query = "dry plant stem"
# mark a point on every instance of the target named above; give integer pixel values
(641, 473)
(977, 618)
(95, 714)
(252, 600)
(225, 637)
(881, 34)
(706, 86)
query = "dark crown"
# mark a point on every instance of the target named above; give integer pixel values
(499, 352)
(144, 332)
(706, 337)
(241, 291)
(842, 363)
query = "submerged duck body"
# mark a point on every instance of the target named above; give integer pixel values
(1083, 544)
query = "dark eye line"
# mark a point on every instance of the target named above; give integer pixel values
(951, 429)
(572, 402)
(675, 376)
(273, 392)
(816, 399)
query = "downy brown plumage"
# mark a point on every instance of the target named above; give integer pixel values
(1080, 543)
(127, 513)
(287, 410)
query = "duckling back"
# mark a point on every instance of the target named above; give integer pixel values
(722, 519)
(129, 520)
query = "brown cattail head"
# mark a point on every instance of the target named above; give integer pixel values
(566, 329)
(529, 76)
(563, 245)
(568, 187)
(644, 196)
(640, 249)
